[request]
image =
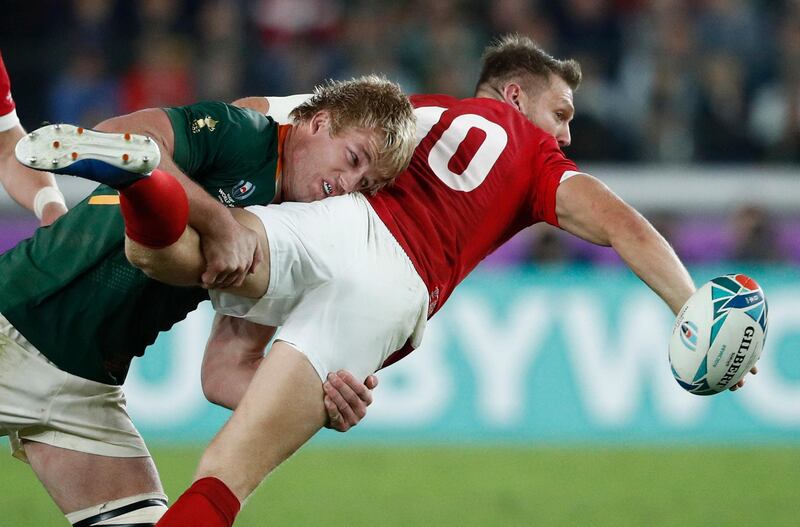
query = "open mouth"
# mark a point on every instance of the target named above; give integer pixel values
(327, 188)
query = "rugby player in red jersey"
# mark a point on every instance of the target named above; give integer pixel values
(36, 191)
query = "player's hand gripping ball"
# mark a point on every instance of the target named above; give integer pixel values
(718, 335)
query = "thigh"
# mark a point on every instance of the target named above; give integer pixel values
(75, 433)
(42, 403)
(281, 409)
(77, 480)
(365, 312)
(342, 289)
(355, 326)
(308, 244)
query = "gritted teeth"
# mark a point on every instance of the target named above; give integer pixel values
(327, 188)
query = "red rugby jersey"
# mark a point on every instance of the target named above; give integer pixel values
(481, 173)
(6, 102)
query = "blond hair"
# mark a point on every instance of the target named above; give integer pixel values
(514, 57)
(370, 102)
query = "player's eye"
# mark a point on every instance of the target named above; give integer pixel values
(365, 184)
(353, 158)
(560, 116)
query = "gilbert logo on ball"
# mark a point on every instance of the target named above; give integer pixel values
(719, 334)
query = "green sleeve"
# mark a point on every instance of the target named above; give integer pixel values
(213, 136)
(57, 254)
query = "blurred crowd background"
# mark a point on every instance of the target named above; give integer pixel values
(665, 81)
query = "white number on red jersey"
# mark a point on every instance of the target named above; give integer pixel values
(483, 159)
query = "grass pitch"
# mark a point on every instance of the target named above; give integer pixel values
(498, 486)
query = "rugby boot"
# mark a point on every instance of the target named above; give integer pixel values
(113, 158)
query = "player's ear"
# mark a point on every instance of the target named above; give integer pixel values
(511, 94)
(320, 121)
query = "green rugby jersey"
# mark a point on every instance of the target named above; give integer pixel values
(70, 290)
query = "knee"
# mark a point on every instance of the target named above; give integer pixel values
(210, 383)
(144, 258)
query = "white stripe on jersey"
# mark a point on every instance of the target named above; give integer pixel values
(568, 174)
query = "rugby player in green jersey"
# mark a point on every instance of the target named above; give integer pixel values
(74, 312)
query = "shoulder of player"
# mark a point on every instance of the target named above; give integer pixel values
(249, 121)
(234, 126)
(219, 113)
(422, 100)
(245, 115)
(498, 112)
(511, 120)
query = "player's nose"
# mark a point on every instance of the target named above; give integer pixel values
(564, 138)
(347, 182)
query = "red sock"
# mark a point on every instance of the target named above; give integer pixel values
(207, 503)
(155, 209)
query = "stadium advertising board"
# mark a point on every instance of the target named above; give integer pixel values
(553, 356)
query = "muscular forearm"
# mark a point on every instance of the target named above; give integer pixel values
(205, 212)
(587, 208)
(649, 255)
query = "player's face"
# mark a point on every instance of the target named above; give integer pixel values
(551, 110)
(320, 165)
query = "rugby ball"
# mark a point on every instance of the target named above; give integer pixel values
(718, 335)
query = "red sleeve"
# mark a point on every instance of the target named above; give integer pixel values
(6, 102)
(549, 166)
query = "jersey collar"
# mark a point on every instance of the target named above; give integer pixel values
(283, 132)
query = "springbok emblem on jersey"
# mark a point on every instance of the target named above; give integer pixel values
(206, 122)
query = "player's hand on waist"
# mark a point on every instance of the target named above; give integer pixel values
(232, 251)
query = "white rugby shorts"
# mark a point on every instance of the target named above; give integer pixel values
(42, 403)
(341, 288)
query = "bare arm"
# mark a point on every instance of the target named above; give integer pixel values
(590, 210)
(233, 353)
(230, 250)
(587, 208)
(23, 184)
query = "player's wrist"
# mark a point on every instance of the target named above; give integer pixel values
(9, 120)
(222, 224)
(44, 197)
